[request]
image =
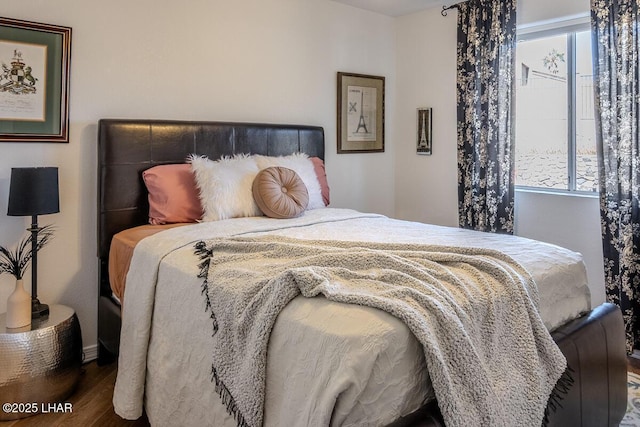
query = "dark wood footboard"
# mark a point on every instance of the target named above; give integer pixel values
(594, 346)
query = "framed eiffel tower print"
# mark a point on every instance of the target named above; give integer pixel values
(34, 81)
(423, 127)
(360, 120)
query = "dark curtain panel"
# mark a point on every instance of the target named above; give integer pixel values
(615, 39)
(486, 86)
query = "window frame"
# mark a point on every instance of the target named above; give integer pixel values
(569, 28)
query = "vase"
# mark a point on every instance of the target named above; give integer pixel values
(18, 307)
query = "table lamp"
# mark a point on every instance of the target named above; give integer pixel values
(33, 192)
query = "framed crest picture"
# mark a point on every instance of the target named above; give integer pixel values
(34, 81)
(360, 113)
(423, 134)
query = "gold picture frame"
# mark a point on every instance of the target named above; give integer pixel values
(360, 119)
(34, 81)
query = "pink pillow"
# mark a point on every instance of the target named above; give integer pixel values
(318, 167)
(173, 196)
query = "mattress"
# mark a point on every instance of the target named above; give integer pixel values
(372, 371)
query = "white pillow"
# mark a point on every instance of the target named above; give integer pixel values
(225, 186)
(303, 166)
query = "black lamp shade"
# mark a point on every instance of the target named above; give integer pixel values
(33, 191)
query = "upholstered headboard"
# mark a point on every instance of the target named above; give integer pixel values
(128, 147)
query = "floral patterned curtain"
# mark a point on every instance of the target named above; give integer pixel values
(486, 85)
(616, 43)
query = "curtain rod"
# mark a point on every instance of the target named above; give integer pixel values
(443, 12)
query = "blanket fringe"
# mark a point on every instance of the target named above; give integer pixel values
(205, 255)
(227, 399)
(205, 260)
(561, 389)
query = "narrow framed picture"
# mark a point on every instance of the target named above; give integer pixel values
(360, 120)
(424, 134)
(34, 81)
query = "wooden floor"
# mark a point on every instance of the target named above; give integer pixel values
(92, 402)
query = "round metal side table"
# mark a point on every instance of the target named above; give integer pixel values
(40, 364)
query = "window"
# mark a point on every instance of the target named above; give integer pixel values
(555, 128)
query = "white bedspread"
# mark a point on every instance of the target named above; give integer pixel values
(371, 370)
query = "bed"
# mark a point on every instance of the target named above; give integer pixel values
(591, 341)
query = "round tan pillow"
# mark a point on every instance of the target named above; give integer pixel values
(280, 193)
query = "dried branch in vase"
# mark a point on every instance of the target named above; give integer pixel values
(16, 262)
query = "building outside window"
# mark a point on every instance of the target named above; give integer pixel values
(555, 128)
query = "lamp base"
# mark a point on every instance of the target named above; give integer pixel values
(38, 309)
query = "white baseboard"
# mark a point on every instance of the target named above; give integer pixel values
(90, 353)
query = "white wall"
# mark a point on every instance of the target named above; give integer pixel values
(426, 186)
(245, 60)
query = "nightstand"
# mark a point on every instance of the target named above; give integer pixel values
(40, 364)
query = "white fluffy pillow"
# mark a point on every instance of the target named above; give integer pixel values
(225, 186)
(303, 166)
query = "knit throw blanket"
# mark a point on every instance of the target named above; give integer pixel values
(490, 358)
